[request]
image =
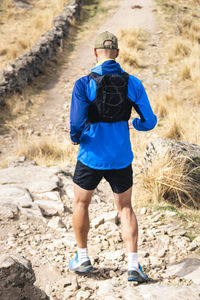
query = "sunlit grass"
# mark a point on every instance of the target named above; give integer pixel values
(31, 24)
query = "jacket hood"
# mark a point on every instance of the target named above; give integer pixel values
(108, 67)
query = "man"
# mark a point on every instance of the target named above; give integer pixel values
(99, 119)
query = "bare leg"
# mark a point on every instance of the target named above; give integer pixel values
(80, 215)
(128, 220)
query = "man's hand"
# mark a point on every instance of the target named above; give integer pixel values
(130, 125)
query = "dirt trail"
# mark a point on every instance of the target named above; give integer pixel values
(55, 108)
(129, 17)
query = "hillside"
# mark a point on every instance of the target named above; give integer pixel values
(22, 23)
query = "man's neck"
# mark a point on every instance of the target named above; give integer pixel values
(103, 60)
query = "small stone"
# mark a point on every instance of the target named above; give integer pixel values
(195, 244)
(9, 211)
(56, 222)
(144, 254)
(161, 253)
(150, 234)
(24, 226)
(105, 288)
(50, 208)
(170, 213)
(112, 274)
(157, 218)
(143, 211)
(181, 242)
(112, 216)
(97, 221)
(82, 295)
(23, 4)
(22, 159)
(155, 261)
(115, 255)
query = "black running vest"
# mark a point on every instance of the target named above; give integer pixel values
(111, 103)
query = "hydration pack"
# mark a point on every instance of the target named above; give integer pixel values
(111, 103)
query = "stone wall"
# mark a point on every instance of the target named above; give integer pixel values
(25, 68)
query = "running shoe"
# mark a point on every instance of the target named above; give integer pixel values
(138, 275)
(77, 266)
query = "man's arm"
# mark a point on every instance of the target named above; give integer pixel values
(138, 96)
(78, 111)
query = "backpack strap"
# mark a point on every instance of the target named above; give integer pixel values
(94, 75)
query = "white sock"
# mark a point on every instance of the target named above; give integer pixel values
(132, 260)
(82, 254)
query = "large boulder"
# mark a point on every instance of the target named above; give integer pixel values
(17, 278)
(182, 153)
(15, 271)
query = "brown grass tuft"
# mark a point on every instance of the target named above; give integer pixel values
(161, 110)
(166, 179)
(186, 72)
(13, 52)
(195, 1)
(3, 51)
(46, 150)
(132, 42)
(175, 131)
(23, 44)
(171, 97)
(179, 49)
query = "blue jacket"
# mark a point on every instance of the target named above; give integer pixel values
(107, 145)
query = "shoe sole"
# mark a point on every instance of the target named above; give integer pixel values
(136, 280)
(82, 270)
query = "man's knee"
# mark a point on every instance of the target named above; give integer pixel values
(80, 202)
(82, 197)
(123, 200)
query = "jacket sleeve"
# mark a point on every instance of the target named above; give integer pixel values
(78, 111)
(141, 104)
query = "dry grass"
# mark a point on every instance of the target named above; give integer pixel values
(167, 179)
(177, 118)
(195, 1)
(190, 68)
(177, 110)
(31, 24)
(179, 49)
(189, 28)
(175, 131)
(46, 150)
(132, 43)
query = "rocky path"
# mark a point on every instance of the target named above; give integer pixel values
(40, 230)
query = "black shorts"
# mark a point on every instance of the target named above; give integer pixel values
(87, 178)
